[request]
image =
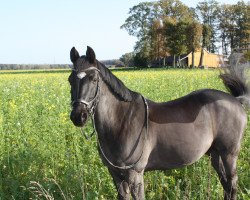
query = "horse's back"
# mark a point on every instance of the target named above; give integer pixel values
(186, 108)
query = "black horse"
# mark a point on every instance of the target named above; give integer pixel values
(137, 135)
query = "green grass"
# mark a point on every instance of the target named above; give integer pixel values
(43, 156)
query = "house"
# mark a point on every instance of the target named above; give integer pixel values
(210, 60)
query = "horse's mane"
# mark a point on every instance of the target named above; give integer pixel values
(115, 84)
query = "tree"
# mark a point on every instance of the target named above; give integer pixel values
(176, 17)
(193, 38)
(139, 24)
(147, 23)
(128, 59)
(141, 61)
(175, 37)
(224, 17)
(242, 16)
(234, 26)
(176, 10)
(208, 11)
(226, 26)
(158, 47)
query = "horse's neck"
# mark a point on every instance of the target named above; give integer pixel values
(110, 111)
(114, 118)
(119, 126)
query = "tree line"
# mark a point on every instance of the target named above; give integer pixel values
(170, 28)
(33, 66)
(108, 63)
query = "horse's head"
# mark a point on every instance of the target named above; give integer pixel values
(84, 80)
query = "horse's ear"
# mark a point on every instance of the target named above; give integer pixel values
(74, 55)
(90, 54)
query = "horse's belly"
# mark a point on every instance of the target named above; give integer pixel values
(180, 145)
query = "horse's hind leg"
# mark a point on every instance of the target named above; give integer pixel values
(219, 167)
(229, 162)
(225, 166)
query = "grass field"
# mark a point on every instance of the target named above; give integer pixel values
(43, 156)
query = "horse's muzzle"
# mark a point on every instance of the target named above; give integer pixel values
(79, 115)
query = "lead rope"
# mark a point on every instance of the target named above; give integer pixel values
(146, 135)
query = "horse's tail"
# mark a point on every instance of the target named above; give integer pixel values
(236, 79)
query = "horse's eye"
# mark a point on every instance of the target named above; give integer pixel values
(92, 78)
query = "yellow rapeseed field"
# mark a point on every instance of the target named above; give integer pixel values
(41, 152)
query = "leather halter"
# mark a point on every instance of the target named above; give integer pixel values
(90, 105)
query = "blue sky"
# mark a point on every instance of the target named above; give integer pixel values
(44, 31)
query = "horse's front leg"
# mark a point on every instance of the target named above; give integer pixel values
(121, 184)
(127, 182)
(136, 185)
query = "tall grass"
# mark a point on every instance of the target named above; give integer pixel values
(43, 156)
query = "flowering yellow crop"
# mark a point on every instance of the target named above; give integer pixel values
(38, 142)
